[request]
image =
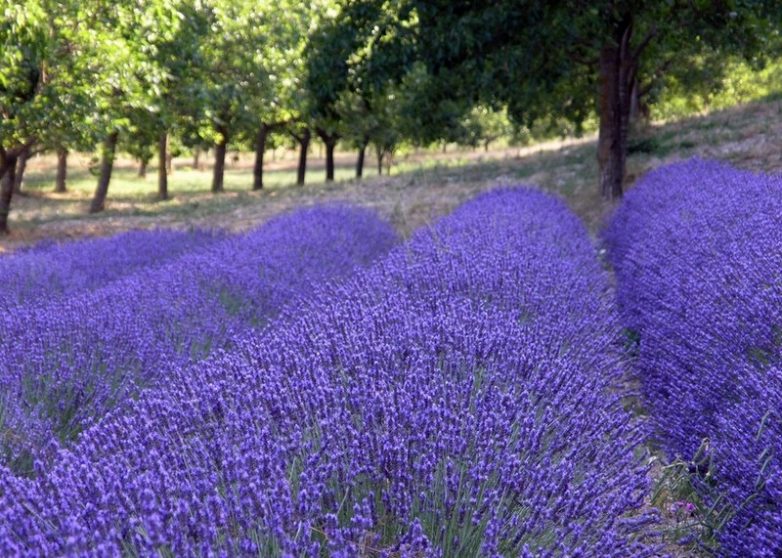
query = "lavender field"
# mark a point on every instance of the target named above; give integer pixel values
(492, 386)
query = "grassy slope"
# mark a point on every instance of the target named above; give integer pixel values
(420, 188)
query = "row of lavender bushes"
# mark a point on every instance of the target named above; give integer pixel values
(67, 361)
(697, 249)
(51, 270)
(461, 397)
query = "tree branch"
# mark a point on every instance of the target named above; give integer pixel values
(644, 42)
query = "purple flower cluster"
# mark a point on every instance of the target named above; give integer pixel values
(67, 362)
(460, 397)
(48, 270)
(697, 249)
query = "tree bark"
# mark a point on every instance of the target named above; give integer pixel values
(330, 141)
(162, 166)
(330, 145)
(219, 169)
(304, 143)
(142, 168)
(379, 153)
(62, 171)
(362, 150)
(260, 150)
(21, 166)
(169, 157)
(617, 73)
(106, 166)
(7, 180)
(196, 157)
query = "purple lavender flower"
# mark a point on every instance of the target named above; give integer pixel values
(66, 363)
(48, 271)
(697, 249)
(460, 397)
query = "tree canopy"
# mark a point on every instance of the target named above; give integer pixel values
(93, 74)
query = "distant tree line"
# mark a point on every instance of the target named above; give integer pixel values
(145, 76)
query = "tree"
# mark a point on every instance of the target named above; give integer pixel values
(180, 93)
(39, 62)
(133, 78)
(327, 54)
(251, 65)
(280, 53)
(566, 59)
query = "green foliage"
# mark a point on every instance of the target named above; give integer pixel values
(541, 59)
(251, 64)
(738, 82)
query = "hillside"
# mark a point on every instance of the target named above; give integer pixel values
(420, 188)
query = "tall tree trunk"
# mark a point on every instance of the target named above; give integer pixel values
(260, 150)
(330, 145)
(162, 166)
(379, 153)
(7, 179)
(106, 166)
(330, 142)
(617, 72)
(21, 166)
(219, 169)
(196, 158)
(142, 168)
(304, 143)
(362, 150)
(62, 171)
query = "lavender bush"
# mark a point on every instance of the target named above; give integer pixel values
(697, 249)
(459, 398)
(48, 271)
(66, 363)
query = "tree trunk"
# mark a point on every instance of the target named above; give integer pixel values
(21, 166)
(260, 150)
(330, 142)
(617, 70)
(196, 157)
(106, 166)
(360, 161)
(162, 166)
(330, 145)
(62, 171)
(7, 180)
(142, 168)
(304, 142)
(169, 157)
(379, 153)
(639, 110)
(219, 169)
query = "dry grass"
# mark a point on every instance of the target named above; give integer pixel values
(420, 189)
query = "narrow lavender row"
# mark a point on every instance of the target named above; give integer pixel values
(67, 363)
(458, 398)
(49, 271)
(697, 249)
